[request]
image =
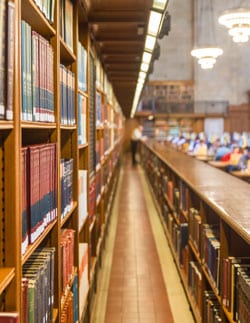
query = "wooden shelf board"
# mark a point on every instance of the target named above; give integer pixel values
(84, 223)
(194, 250)
(68, 288)
(38, 125)
(83, 146)
(68, 215)
(83, 93)
(6, 276)
(32, 247)
(33, 16)
(67, 127)
(6, 125)
(67, 56)
(92, 224)
(93, 262)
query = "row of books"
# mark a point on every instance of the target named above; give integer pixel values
(99, 150)
(242, 308)
(38, 286)
(47, 7)
(66, 174)
(75, 299)
(211, 308)
(82, 67)
(83, 196)
(82, 119)
(235, 286)
(179, 236)
(37, 76)
(67, 263)
(67, 96)
(195, 229)
(39, 199)
(195, 282)
(99, 110)
(211, 253)
(66, 22)
(7, 50)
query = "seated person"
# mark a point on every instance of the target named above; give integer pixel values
(200, 149)
(242, 161)
(221, 150)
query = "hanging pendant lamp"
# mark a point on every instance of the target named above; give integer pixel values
(205, 50)
(238, 22)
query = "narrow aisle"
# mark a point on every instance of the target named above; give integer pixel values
(136, 290)
(132, 287)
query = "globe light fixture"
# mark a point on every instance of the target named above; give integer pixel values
(238, 22)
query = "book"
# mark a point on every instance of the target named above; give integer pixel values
(9, 317)
(38, 275)
(74, 290)
(66, 170)
(83, 197)
(68, 24)
(67, 256)
(3, 17)
(10, 59)
(24, 200)
(82, 119)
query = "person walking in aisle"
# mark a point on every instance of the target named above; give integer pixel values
(135, 137)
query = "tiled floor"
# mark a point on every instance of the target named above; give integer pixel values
(132, 285)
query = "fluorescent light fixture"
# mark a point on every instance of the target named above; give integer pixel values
(144, 67)
(150, 43)
(142, 75)
(154, 22)
(146, 57)
(160, 4)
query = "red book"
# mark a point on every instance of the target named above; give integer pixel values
(9, 317)
(34, 193)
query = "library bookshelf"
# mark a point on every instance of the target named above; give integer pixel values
(59, 164)
(205, 216)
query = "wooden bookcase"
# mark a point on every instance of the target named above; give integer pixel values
(204, 213)
(59, 127)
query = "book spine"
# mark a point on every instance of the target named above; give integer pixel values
(3, 59)
(24, 182)
(28, 67)
(10, 60)
(34, 156)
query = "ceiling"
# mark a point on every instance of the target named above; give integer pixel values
(119, 28)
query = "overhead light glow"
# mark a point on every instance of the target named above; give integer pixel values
(207, 56)
(144, 67)
(142, 75)
(238, 22)
(146, 57)
(160, 4)
(154, 22)
(150, 43)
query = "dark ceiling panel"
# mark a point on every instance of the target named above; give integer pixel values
(118, 28)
